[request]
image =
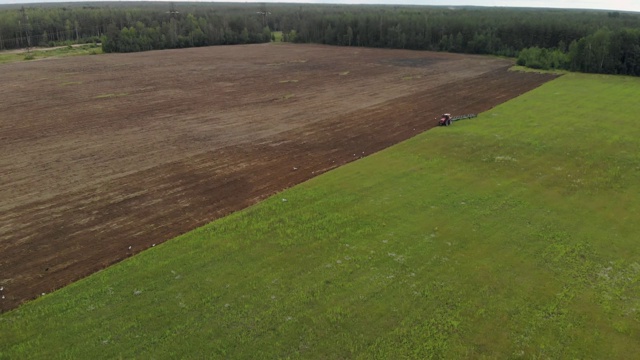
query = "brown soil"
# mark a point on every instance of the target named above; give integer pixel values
(103, 156)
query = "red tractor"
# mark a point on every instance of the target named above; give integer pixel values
(445, 120)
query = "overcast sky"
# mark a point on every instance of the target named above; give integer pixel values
(624, 5)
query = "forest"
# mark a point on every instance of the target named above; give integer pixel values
(577, 40)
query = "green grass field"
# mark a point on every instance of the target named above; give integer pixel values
(512, 235)
(66, 51)
(277, 35)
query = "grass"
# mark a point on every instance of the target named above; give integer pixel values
(277, 35)
(513, 235)
(539, 71)
(48, 53)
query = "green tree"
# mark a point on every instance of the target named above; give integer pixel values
(244, 36)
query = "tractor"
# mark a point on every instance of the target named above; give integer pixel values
(446, 119)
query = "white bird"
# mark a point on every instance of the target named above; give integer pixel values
(129, 247)
(1, 288)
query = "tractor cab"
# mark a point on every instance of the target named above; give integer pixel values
(445, 120)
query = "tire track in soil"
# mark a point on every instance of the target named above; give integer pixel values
(49, 244)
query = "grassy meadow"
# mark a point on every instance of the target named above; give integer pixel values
(277, 36)
(43, 53)
(512, 235)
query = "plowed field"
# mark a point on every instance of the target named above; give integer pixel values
(105, 156)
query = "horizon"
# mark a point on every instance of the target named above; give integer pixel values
(616, 5)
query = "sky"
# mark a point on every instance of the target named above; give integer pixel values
(622, 5)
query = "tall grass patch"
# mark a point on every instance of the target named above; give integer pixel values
(43, 53)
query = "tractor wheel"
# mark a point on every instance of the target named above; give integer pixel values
(448, 122)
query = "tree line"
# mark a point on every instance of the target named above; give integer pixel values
(606, 51)
(185, 31)
(579, 40)
(131, 27)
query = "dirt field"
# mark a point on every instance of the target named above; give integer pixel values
(103, 156)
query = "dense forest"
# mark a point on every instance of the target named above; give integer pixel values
(579, 40)
(131, 27)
